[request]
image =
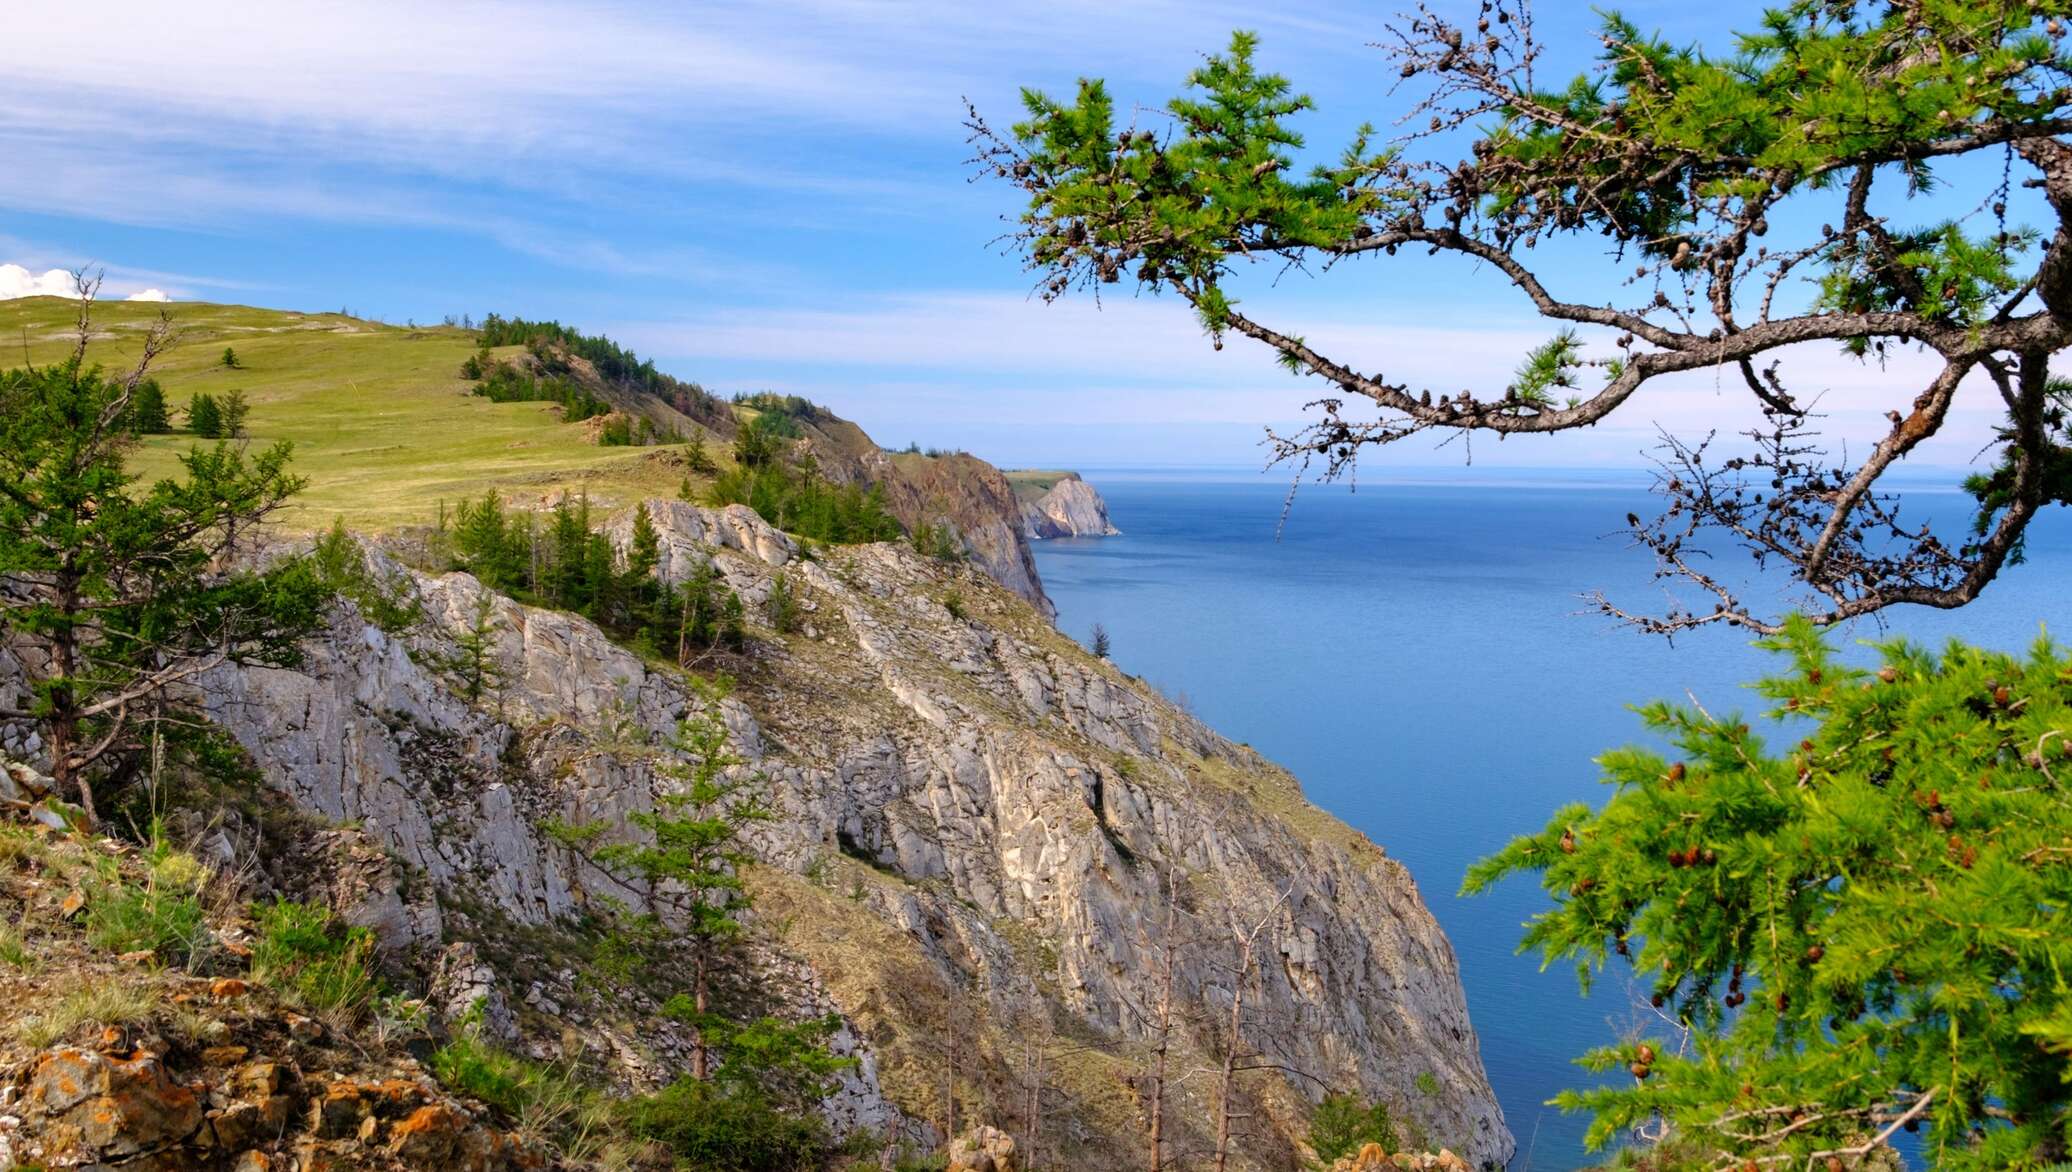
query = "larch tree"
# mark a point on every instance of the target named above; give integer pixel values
(1857, 930)
(1748, 202)
(115, 594)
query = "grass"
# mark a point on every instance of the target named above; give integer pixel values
(314, 962)
(117, 1000)
(163, 914)
(384, 427)
(1030, 484)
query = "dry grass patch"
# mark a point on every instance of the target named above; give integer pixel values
(114, 1000)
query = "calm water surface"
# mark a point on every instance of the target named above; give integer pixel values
(1418, 653)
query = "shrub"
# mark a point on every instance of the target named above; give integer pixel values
(1869, 922)
(805, 504)
(342, 567)
(726, 1127)
(1343, 1124)
(939, 541)
(783, 605)
(312, 960)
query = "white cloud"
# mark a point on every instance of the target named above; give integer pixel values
(16, 281)
(19, 281)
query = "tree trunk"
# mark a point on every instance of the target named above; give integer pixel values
(1165, 1035)
(949, 1081)
(68, 774)
(700, 998)
(1229, 1074)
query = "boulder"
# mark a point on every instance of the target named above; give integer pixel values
(982, 1149)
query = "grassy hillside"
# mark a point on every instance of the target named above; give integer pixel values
(384, 426)
(1031, 483)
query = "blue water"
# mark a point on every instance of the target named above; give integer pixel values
(1420, 655)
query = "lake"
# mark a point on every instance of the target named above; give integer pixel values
(1421, 655)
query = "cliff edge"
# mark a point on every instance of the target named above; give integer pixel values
(1060, 504)
(979, 825)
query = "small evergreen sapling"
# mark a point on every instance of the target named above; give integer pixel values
(476, 664)
(689, 867)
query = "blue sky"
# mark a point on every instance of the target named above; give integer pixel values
(758, 195)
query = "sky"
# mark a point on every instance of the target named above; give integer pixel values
(769, 195)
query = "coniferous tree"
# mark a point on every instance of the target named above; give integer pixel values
(568, 540)
(691, 863)
(1759, 201)
(644, 552)
(476, 665)
(696, 458)
(1100, 641)
(782, 605)
(230, 412)
(489, 546)
(229, 360)
(205, 416)
(148, 410)
(1860, 931)
(111, 590)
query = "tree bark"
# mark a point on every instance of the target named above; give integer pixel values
(700, 998)
(1165, 1035)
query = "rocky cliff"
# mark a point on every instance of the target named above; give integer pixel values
(957, 490)
(979, 830)
(1066, 507)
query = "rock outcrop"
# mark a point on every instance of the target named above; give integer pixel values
(973, 499)
(1069, 507)
(987, 844)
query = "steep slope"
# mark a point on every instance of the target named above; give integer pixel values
(1060, 504)
(977, 824)
(973, 499)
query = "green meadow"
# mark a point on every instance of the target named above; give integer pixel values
(384, 427)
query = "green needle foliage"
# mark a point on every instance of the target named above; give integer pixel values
(1869, 927)
(119, 588)
(690, 860)
(1749, 199)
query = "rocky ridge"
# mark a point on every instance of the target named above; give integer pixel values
(1068, 508)
(978, 827)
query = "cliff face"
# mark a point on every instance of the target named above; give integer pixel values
(977, 825)
(1068, 508)
(959, 490)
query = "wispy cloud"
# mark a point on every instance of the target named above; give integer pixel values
(393, 112)
(985, 359)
